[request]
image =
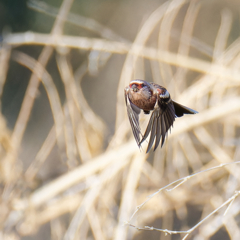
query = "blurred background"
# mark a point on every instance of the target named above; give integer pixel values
(70, 168)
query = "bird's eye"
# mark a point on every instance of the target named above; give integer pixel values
(143, 85)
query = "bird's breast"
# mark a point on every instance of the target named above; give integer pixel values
(143, 102)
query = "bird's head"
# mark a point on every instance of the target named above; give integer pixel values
(141, 87)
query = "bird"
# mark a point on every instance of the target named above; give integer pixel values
(151, 97)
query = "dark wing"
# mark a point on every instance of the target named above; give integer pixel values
(133, 112)
(180, 110)
(160, 122)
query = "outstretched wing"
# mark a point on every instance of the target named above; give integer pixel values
(133, 116)
(160, 122)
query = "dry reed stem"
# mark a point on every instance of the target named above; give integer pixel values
(41, 195)
(95, 223)
(5, 53)
(185, 46)
(80, 21)
(30, 95)
(164, 35)
(71, 178)
(223, 34)
(58, 208)
(127, 198)
(91, 197)
(69, 204)
(69, 111)
(54, 99)
(217, 222)
(81, 113)
(41, 156)
(191, 63)
(178, 183)
(216, 151)
(105, 175)
(232, 228)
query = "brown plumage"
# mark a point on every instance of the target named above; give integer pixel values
(142, 95)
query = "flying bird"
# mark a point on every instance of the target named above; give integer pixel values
(151, 97)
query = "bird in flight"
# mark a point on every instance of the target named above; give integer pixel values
(142, 95)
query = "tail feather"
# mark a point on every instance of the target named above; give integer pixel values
(180, 110)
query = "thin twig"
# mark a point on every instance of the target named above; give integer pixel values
(179, 182)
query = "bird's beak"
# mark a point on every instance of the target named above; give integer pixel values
(134, 88)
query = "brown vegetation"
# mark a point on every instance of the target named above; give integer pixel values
(74, 175)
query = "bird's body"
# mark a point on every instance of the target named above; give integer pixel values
(142, 95)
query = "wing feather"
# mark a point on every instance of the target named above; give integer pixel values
(160, 122)
(133, 116)
(149, 127)
(158, 133)
(153, 132)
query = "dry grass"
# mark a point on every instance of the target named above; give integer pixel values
(97, 194)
